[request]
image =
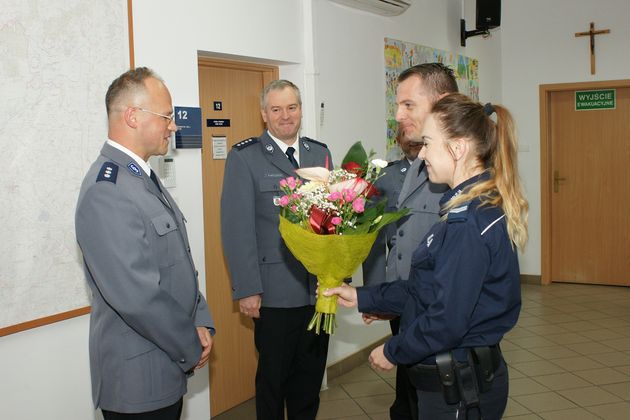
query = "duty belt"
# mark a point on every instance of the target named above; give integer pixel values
(458, 380)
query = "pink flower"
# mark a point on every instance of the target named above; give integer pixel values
(291, 182)
(294, 209)
(359, 205)
(334, 196)
(348, 195)
(283, 183)
(336, 220)
(284, 200)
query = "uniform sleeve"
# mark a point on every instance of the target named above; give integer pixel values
(460, 269)
(238, 227)
(113, 239)
(203, 318)
(386, 298)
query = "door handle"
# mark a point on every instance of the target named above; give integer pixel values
(556, 181)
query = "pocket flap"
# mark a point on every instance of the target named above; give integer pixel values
(164, 224)
(269, 184)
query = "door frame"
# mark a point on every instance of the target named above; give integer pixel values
(546, 160)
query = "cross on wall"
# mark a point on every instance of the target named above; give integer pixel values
(591, 33)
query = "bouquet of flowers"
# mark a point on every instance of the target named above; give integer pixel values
(328, 224)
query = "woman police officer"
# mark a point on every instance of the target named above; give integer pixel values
(463, 292)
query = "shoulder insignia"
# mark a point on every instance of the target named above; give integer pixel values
(392, 163)
(245, 143)
(458, 214)
(108, 172)
(315, 141)
(133, 168)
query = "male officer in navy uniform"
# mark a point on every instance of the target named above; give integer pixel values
(406, 185)
(270, 284)
(149, 327)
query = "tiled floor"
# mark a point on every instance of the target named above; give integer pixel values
(569, 359)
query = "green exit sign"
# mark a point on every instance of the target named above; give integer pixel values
(586, 100)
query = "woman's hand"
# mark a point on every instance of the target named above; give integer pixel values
(347, 295)
(378, 360)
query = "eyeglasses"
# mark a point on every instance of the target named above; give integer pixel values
(168, 118)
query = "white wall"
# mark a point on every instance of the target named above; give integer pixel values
(539, 47)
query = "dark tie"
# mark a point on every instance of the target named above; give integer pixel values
(289, 152)
(155, 180)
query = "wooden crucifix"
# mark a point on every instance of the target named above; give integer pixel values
(592, 32)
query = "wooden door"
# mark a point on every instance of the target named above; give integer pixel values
(589, 189)
(236, 86)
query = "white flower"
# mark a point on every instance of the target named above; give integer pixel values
(380, 163)
(314, 174)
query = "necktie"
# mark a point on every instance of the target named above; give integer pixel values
(155, 180)
(289, 152)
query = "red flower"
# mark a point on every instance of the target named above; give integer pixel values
(354, 168)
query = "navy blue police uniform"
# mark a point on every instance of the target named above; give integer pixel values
(463, 293)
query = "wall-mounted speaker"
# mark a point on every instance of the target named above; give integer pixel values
(488, 14)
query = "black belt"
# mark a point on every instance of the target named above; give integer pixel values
(486, 360)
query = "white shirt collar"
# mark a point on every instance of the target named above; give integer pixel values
(283, 146)
(142, 163)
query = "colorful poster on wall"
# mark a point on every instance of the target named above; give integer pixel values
(400, 55)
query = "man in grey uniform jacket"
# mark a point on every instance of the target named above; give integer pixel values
(406, 183)
(271, 285)
(150, 327)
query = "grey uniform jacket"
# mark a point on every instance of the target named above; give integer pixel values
(258, 260)
(145, 298)
(423, 199)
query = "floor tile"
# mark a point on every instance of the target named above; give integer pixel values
(524, 417)
(622, 344)
(603, 376)
(568, 338)
(573, 364)
(334, 392)
(600, 334)
(367, 388)
(525, 386)
(561, 381)
(377, 403)
(590, 315)
(618, 411)
(362, 373)
(338, 409)
(537, 368)
(554, 352)
(515, 356)
(591, 348)
(611, 322)
(570, 414)
(622, 390)
(613, 359)
(592, 395)
(547, 329)
(515, 409)
(532, 342)
(539, 403)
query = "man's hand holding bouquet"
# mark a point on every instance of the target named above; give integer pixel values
(328, 226)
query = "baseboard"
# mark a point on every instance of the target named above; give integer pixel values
(531, 279)
(353, 361)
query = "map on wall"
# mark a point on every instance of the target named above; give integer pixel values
(56, 61)
(400, 55)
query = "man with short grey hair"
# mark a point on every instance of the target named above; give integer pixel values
(150, 327)
(269, 283)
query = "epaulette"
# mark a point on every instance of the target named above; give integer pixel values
(245, 143)
(458, 214)
(108, 172)
(315, 141)
(392, 163)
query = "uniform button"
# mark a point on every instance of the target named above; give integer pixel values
(401, 233)
(400, 256)
(182, 360)
(168, 226)
(264, 259)
(188, 249)
(196, 273)
(425, 206)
